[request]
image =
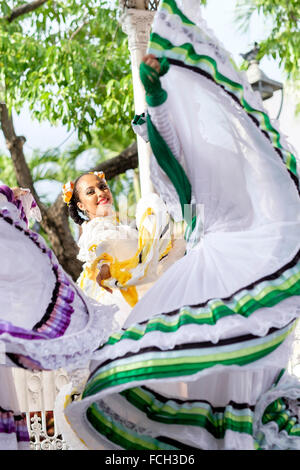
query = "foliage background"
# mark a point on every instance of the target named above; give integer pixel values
(68, 62)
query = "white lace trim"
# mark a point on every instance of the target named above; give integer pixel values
(72, 350)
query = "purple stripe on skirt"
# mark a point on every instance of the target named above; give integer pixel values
(58, 318)
(10, 423)
(8, 193)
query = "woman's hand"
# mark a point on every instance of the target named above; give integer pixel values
(151, 69)
(152, 61)
(103, 274)
(19, 192)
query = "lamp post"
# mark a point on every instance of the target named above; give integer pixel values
(259, 80)
(136, 22)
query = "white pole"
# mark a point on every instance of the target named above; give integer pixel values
(136, 24)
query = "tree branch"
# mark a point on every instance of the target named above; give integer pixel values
(23, 9)
(55, 220)
(126, 160)
(85, 22)
(15, 146)
(7, 125)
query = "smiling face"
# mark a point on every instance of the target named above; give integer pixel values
(94, 196)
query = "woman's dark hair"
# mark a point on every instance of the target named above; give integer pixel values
(74, 211)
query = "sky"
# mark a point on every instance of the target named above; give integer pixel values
(219, 15)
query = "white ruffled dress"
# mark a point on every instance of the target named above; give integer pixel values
(200, 361)
(106, 235)
(46, 322)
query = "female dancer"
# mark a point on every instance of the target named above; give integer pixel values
(120, 261)
(200, 362)
(13, 427)
(46, 322)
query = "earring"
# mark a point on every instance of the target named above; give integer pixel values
(84, 212)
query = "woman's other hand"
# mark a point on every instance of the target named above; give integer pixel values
(152, 61)
(104, 274)
(20, 192)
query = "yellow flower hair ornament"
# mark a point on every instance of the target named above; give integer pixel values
(100, 174)
(67, 190)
